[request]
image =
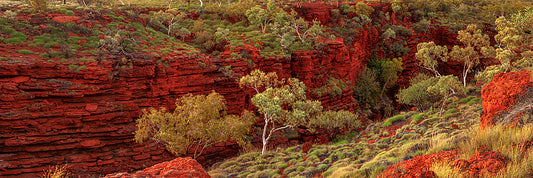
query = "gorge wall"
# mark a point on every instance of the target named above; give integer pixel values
(52, 115)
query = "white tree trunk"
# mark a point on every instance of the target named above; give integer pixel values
(264, 135)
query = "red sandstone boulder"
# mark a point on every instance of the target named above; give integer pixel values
(306, 147)
(506, 96)
(418, 166)
(66, 19)
(179, 167)
(485, 163)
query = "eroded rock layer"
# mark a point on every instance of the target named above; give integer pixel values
(52, 115)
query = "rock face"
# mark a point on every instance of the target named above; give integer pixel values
(179, 167)
(506, 97)
(53, 115)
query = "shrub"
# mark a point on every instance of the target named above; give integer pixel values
(421, 26)
(417, 93)
(367, 89)
(15, 36)
(300, 169)
(117, 44)
(416, 117)
(38, 5)
(57, 172)
(334, 122)
(66, 12)
(362, 9)
(197, 120)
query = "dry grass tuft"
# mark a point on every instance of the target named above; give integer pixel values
(57, 172)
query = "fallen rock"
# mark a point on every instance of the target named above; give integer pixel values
(306, 147)
(66, 19)
(485, 164)
(419, 166)
(179, 167)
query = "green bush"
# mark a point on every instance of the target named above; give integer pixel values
(367, 89)
(300, 169)
(15, 36)
(417, 94)
(66, 12)
(474, 100)
(416, 117)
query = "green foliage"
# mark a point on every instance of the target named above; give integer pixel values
(222, 34)
(66, 12)
(271, 98)
(523, 20)
(391, 120)
(287, 28)
(428, 55)
(367, 89)
(475, 42)
(417, 95)
(362, 9)
(508, 37)
(388, 34)
(199, 121)
(333, 87)
(447, 86)
(117, 44)
(76, 68)
(38, 5)
(422, 26)
(334, 122)
(262, 17)
(238, 10)
(524, 63)
(416, 117)
(402, 31)
(15, 36)
(389, 73)
(23, 51)
(168, 21)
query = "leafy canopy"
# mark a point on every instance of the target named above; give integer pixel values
(429, 54)
(199, 121)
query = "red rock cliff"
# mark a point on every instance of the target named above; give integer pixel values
(52, 115)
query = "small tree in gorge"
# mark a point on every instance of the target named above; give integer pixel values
(199, 121)
(476, 46)
(283, 104)
(263, 17)
(389, 74)
(428, 55)
(446, 87)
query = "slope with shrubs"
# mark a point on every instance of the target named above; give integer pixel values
(368, 153)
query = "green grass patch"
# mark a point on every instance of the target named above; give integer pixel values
(23, 51)
(66, 12)
(15, 36)
(391, 120)
(416, 117)
(475, 100)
